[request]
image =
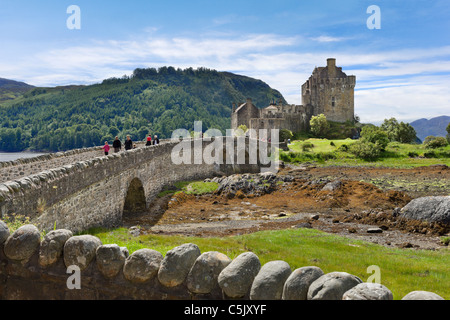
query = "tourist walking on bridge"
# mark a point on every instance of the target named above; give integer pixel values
(128, 143)
(117, 145)
(156, 140)
(106, 148)
(149, 140)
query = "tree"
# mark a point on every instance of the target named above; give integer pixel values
(401, 132)
(285, 134)
(319, 125)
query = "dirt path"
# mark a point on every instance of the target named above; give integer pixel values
(351, 210)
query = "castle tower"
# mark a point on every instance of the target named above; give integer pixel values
(331, 92)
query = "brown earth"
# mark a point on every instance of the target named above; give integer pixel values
(351, 210)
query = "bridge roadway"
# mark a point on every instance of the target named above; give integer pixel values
(12, 170)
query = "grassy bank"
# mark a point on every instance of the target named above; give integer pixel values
(189, 187)
(402, 270)
(333, 153)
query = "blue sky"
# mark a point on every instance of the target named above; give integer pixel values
(402, 69)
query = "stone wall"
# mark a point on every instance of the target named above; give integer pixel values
(65, 267)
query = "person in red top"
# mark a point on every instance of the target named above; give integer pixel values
(106, 148)
(149, 140)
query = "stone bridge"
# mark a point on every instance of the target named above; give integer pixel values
(82, 188)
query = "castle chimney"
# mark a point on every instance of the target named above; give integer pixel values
(234, 107)
(331, 66)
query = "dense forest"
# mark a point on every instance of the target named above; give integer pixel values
(150, 101)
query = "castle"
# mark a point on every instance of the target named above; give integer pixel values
(328, 90)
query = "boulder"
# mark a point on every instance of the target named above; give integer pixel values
(110, 259)
(368, 291)
(431, 209)
(80, 250)
(268, 283)
(202, 277)
(142, 265)
(4, 232)
(177, 263)
(52, 246)
(332, 186)
(332, 286)
(236, 279)
(22, 243)
(422, 295)
(297, 285)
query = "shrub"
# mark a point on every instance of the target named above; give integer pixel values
(413, 154)
(307, 145)
(365, 150)
(343, 147)
(319, 125)
(324, 156)
(437, 142)
(430, 154)
(375, 135)
(332, 144)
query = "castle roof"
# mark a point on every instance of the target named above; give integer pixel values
(322, 72)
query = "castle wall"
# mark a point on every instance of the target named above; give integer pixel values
(243, 115)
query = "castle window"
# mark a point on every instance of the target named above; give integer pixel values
(333, 101)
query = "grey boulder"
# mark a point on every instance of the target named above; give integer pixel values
(142, 265)
(110, 259)
(297, 285)
(22, 244)
(431, 209)
(177, 263)
(52, 246)
(4, 232)
(422, 295)
(202, 277)
(236, 279)
(80, 250)
(268, 283)
(368, 291)
(332, 286)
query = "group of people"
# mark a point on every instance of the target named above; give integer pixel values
(150, 142)
(117, 144)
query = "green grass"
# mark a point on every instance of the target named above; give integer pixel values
(190, 187)
(402, 270)
(200, 187)
(396, 155)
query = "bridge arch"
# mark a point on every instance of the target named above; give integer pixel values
(135, 199)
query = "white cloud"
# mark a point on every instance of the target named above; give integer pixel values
(328, 39)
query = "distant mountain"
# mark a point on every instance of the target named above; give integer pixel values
(10, 89)
(433, 127)
(150, 101)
